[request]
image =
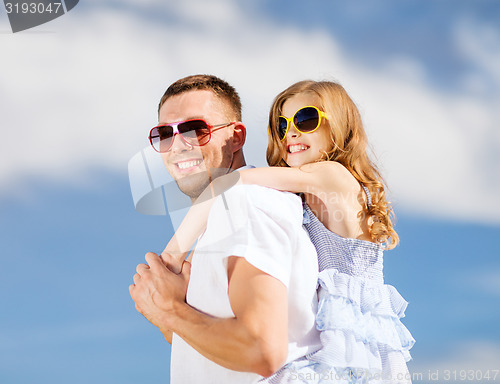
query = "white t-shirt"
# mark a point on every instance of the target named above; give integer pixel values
(265, 227)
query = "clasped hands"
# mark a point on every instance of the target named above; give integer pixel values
(157, 291)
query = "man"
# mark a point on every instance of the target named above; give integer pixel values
(251, 296)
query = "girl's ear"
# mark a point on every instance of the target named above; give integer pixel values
(239, 136)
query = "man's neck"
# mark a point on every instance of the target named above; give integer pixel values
(238, 161)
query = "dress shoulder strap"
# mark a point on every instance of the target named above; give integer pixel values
(368, 196)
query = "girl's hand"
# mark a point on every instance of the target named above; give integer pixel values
(174, 264)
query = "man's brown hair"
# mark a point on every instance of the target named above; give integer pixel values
(219, 87)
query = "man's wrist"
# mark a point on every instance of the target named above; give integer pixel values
(173, 318)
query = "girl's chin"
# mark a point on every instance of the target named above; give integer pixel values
(294, 163)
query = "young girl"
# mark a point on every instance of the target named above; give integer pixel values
(317, 147)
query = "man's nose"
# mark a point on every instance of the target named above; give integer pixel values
(179, 144)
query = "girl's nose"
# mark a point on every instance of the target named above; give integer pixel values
(292, 131)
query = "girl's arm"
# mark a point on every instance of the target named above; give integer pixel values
(310, 178)
(191, 227)
(195, 222)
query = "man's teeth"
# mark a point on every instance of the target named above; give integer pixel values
(188, 164)
(296, 148)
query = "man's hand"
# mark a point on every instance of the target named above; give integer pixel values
(158, 292)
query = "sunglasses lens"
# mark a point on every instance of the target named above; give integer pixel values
(195, 132)
(306, 119)
(282, 124)
(161, 138)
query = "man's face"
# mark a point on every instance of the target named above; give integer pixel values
(193, 167)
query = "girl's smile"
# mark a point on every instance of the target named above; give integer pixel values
(295, 148)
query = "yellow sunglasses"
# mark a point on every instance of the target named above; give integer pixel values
(306, 120)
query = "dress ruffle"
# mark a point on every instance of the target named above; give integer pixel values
(360, 326)
(363, 339)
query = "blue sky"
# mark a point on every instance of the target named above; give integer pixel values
(83, 91)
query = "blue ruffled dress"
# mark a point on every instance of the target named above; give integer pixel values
(358, 316)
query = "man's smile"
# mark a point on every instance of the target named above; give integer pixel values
(188, 165)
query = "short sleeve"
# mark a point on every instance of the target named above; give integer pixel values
(259, 224)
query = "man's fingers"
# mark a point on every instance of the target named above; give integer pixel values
(141, 268)
(136, 278)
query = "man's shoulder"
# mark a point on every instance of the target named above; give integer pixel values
(269, 201)
(254, 188)
(257, 194)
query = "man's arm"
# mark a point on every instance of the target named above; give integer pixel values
(168, 333)
(255, 340)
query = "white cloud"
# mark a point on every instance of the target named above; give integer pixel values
(84, 97)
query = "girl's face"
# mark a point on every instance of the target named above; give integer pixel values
(304, 148)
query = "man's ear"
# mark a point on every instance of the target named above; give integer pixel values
(239, 136)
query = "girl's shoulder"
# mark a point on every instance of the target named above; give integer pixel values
(329, 168)
(329, 164)
(333, 173)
